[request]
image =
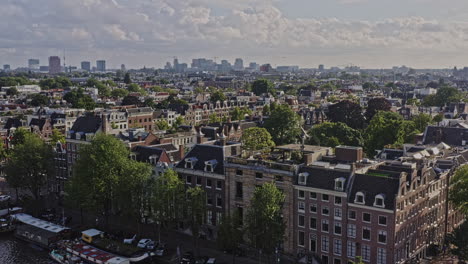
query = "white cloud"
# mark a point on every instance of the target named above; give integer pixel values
(144, 30)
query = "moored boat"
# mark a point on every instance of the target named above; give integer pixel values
(92, 254)
(63, 257)
(6, 226)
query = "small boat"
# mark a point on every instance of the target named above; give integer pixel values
(63, 257)
(91, 254)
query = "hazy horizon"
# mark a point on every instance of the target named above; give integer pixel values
(366, 33)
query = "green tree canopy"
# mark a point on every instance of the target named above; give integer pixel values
(238, 113)
(262, 86)
(78, 99)
(445, 95)
(131, 100)
(57, 136)
(196, 211)
(459, 189)
(458, 240)
(217, 95)
(376, 104)
(162, 125)
(346, 112)
(13, 81)
(421, 121)
(127, 78)
(119, 93)
(103, 89)
(284, 125)
(39, 100)
(256, 139)
(265, 225)
(334, 134)
(55, 83)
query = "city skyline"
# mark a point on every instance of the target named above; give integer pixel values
(370, 34)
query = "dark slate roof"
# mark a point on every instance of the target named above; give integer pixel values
(87, 124)
(372, 185)
(13, 122)
(202, 153)
(391, 154)
(40, 122)
(144, 152)
(323, 178)
(450, 135)
(167, 147)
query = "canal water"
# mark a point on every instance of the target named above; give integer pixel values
(15, 251)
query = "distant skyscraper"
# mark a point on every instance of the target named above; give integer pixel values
(54, 65)
(33, 64)
(6, 67)
(238, 64)
(101, 65)
(122, 67)
(86, 65)
(321, 67)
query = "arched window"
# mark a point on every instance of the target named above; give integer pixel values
(360, 198)
(379, 200)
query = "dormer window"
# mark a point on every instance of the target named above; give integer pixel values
(339, 184)
(210, 165)
(303, 178)
(379, 200)
(190, 163)
(152, 159)
(133, 156)
(359, 198)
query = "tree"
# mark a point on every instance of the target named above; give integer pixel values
(19, 136)
(358, 260)
(12, 91)
(57, 136)
(39, 100)
(438, 118)
(127, 78)
(167, 199)
(30, 165)
(421, 121)
(230, 235)
(458, 194)
(238, 113)
(135, 88)
(213, 118)
(217, 95)
(370, 86)
(413, 101)
(266, 110)
(78, 99)
(178, 122)
(445, 95)
(262, 86)
(119, 93)
(376, 104)
(387, 128)
(256, 139)
(346, 112)
(131, 100)
(55, 83)
(265, 226)
(196, 212)
(103, 89)
(162, 125)
(284, 125)
(149, 102)
(459, 241)
(334, 134)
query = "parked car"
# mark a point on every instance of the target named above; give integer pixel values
(129, 240)
(160, 249)
(145, 243)
(187, 258)
(5, 198)
(211, 261)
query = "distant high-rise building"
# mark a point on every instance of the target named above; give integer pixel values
(54, 65)
(253, 66)
(33, 64)
(239, 64)
(101, 65)
(86, 65)
(44, 68)
(6, 67)
(122, 67)
(321, 67)
(266, 68)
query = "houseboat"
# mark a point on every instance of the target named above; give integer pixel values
(6, 226)
(91, 254)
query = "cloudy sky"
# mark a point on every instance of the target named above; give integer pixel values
(367, 33)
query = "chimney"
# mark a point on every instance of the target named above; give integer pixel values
(181, 152)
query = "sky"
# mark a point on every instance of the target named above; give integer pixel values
(366, 33)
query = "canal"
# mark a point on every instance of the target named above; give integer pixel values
(15, 251)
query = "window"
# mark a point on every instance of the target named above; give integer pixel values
(325, 197)
(337, 200)
(313, 208)
(351, 230)
(188, 179)
(239, 190)
(278, 178)
(219, 217)
(325, 245)
(339, 184)
(338, 213)
(351, 249)
(365, 252)
(199, 180)
(239, 172)
(209, 217)
(359, 198)
(301, 207)
(258, 175)
(381, 256)
(352, 215)
(219, 200)
(382, 237)
(366, 233)
(300, 238)
(382, 220)
(337, 247)
(325, 226)
(209, 199)
(208, 183)
(337, 230)
(303, 178)
(379, 200)
(313, 243)
(325, 210)
(219, 185)
(324, 259)
(300, 194)
(313, 195)
(301, 221)
(313, 223)
(366, 217)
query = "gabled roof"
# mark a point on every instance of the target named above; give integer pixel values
(13, 122)
(87, 124)
(375, 184)
(40, 122)
(203, 153)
